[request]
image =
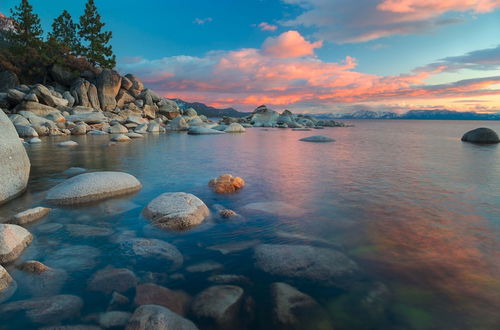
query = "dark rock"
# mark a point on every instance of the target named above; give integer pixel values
(8, 80)
(152, 294)
(481, 135)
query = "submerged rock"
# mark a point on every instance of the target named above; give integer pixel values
(176, 211)
(40, 280)
(226, 184)
(153, 249)
(33, 266)
(13, 240)
(121, 138)
(28, 216)
(152, 294)
(149, 317)
(79, 230)
(7, 285)
(90, 187)
(219, 305)
(45, 310)
(203, 267)
(203, 131)
(294, 310)
(320, 265)
(277, 208)
(14, 161)
(112, 279)
(226, 213)
(73, 258)
(68, 144)
(317, 138)
(481, 135)
(114, 319)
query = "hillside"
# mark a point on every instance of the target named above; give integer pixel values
(208, 111)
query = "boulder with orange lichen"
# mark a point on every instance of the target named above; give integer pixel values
(226, 184)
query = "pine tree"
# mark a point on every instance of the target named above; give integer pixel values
(95, 48)
(64, 33)
(27, 26)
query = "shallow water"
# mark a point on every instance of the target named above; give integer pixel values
(417, 209)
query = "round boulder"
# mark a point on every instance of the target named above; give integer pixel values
(235, 128)
(226, 184)
(176, 211)
(481, 135)
(91, 187)
(13, 240)
(14, 161)
(148, 317)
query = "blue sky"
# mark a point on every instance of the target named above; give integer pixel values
(380, 40)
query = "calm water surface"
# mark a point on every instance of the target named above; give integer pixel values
(417, 209)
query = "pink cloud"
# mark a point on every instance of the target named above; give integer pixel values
(289, 44)
(267, 27)
(249, 77)
(341, 21)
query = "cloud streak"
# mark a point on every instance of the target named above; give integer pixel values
(344, 21)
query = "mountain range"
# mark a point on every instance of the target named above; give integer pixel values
(203, 109)
(413, 114)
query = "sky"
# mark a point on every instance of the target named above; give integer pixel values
(311, 56)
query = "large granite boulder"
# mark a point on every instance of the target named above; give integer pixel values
(79, 90)
(45, 96)
(14, 161)
(169, 108)
(94, 97)
(91, 187)
(89, 118)
(13, 240)
(7, 285)
(45, 310)
(38, 109)
(219, 305)
(235, 128)
(149, 317)
(319, 265)
(481, 135)
(178, 124)
(137, 85)
(108, 84)
(8, 80)
(294, 310)
(177, 211)
(264, 117)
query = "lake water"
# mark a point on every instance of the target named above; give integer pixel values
(413, 206)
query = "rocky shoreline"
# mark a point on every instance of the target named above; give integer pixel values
(104, 102)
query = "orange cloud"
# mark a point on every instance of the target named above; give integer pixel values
(248, 77)
(289, 44)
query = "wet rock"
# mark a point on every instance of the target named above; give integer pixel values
(203, 267)
(112, 279)
(7, 285)
(114, 319)
(134, 135)
(14, 161)
(226, 184)
(118, 301)
(293, 309)
(13, 240)
(40, 280)
(317, 138)
(229, 279)
(481, 135)
(78, 230)
(176, 211)
(29, 216)
(45, 310)
(120, 138)
(90, 187)
(152, 294)
(73, 258)
(67, 144)
(235, 128)
(72, 171)
(33, 266)
(226, 213)
(153, 249)
(178, 124)
(49, 227)
(319, 265)
(149, 317)
(232, 247)
(219, 305)
(203, 131)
